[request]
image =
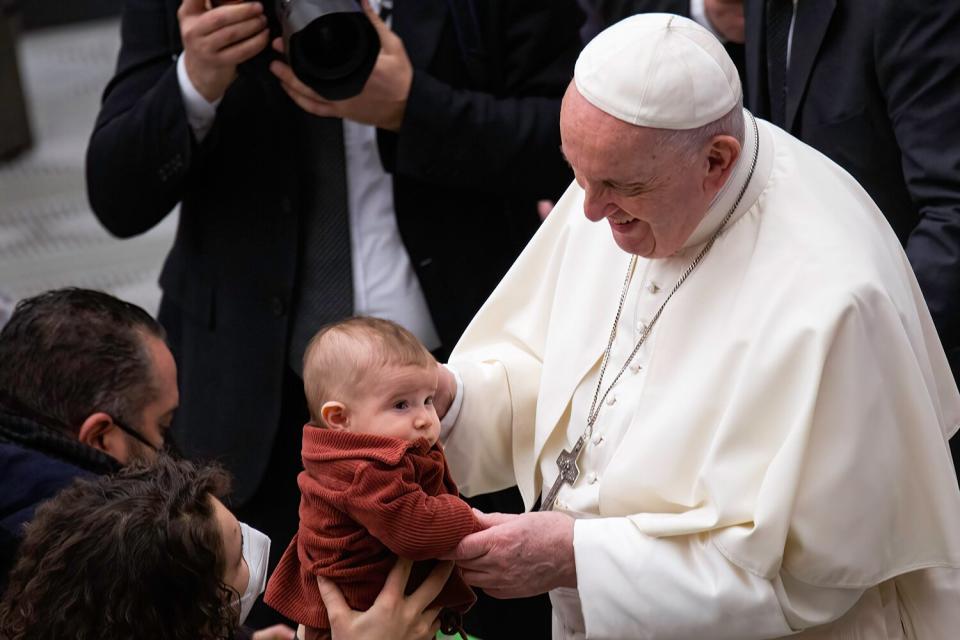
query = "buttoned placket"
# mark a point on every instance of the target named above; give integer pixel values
(644, 297)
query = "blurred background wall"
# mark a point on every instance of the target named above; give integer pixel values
(60, 54)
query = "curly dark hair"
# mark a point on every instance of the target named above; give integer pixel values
(67, 353)
(134, 555)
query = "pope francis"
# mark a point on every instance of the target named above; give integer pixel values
(720, 384)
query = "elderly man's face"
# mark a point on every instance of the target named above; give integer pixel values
(651, 198)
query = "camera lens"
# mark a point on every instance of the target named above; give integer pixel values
(331, 45)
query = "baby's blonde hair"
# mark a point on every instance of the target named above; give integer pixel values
(342, 354)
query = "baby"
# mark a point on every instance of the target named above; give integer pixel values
(376, 484)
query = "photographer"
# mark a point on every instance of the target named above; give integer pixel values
(408, 201)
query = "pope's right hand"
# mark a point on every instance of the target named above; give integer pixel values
(215, 41)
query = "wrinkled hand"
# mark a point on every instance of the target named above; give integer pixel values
(393, 614)
(517, 556)
(276, 632)
(726, 16)
(383, 100)
(216, 41)
(446, 391)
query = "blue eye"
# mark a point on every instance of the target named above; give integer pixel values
(401, 405)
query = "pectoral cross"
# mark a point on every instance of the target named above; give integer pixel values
(569, 472)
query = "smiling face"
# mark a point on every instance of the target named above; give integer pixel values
(396, 402)
(653, 198)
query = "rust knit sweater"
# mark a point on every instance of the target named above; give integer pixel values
(365, 500)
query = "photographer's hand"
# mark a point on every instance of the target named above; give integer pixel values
(216, 41)
(384, 97)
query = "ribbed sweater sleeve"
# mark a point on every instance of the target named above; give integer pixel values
(394, 508)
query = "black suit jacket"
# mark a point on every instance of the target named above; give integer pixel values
(479, 145)
(875, 85)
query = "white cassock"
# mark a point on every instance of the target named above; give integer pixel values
(777, 458)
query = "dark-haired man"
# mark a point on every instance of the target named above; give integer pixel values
(87, 384)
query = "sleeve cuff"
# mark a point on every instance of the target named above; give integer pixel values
(632, 585)
(450, 419)
(200, 112)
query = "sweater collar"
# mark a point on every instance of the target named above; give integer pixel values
(745, 178)
(322, 444)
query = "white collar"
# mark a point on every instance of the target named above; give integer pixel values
(730, 191)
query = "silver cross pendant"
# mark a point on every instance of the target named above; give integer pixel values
(568, 473)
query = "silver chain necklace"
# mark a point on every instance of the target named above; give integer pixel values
(567, 460)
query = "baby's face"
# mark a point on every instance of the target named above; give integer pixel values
(397, 403)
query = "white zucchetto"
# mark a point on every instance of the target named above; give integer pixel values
(658, 70)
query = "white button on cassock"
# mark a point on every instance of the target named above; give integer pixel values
(597, 439)
(635, 367)
(592, 477)
(611, 400)
(653, 288)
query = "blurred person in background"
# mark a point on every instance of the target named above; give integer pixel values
(407, 202)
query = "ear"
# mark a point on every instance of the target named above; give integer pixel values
(721, 158)
(334, 415)
(99, 432)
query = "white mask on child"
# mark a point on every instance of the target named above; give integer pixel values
(256, 552)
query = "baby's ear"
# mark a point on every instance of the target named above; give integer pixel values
(334, 415)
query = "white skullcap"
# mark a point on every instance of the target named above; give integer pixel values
(658, 70)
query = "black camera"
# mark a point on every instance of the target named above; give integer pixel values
(330, 44)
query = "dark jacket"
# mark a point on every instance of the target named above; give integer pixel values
(479, 145)
(36, 462)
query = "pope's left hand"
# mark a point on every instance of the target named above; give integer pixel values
(516, 556)
(383, 100)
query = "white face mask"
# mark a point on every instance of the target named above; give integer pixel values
(256, 552)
